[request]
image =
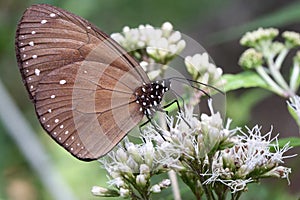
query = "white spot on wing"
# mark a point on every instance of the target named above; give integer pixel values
(52, 96)
(54, 133)
(88, 27)
(66, 132)
(26, 64)
(33, 32)
(37, 72)
(62, 82)
(56, 120)
(52, 15)
(24, 56)
(43, 21)
(43, 118)
(49, 111)
(31, 87)
(34, 56)
(31, 43)
(61, 126)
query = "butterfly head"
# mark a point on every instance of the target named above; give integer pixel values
(149, 96)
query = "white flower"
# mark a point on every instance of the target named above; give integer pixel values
(99, 191)
(189, 138)
(141, 180)
(202, 70)
(155, 188)
(118, 182)
(161, 44)
(104, 192)
(250, 158)
(124, 192)
(165, 183)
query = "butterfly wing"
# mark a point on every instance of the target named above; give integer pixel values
(80, 80)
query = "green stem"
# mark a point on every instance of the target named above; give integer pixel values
(294, 85)
(274, 87)
(277, 75)
(280, 58)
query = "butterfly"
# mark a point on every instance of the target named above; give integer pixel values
(88, 92)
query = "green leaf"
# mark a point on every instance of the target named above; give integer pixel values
(245, 79)
(294, 141)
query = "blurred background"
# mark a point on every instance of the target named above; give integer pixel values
(217, 25)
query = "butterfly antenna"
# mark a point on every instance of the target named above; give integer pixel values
(197, 88)
(181, 80)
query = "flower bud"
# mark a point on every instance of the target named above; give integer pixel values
(292, 39)
(124, 192)
(261, 35)
(104, 192)
(251, 59)
(165, 183)
(278, 172)
(135, 154)
(155, 188)
(144, 169)
(141, 180)
(121, 155)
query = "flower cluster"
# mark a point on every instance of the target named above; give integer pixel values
(292, 39)
(130, 167)
(249, 160)
(267, 56)
(251, 59)
(204, 71)
(146, 42)
(259, 37)
(206, 154)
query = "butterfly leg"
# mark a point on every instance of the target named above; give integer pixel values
(179, 109)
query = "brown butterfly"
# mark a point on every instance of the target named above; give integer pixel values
(88, 92)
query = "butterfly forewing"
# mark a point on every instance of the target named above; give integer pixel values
(81, 82)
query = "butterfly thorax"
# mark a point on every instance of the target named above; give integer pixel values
(149, 96)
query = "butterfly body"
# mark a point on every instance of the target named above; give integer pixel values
(88, 92)
(149, 96)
